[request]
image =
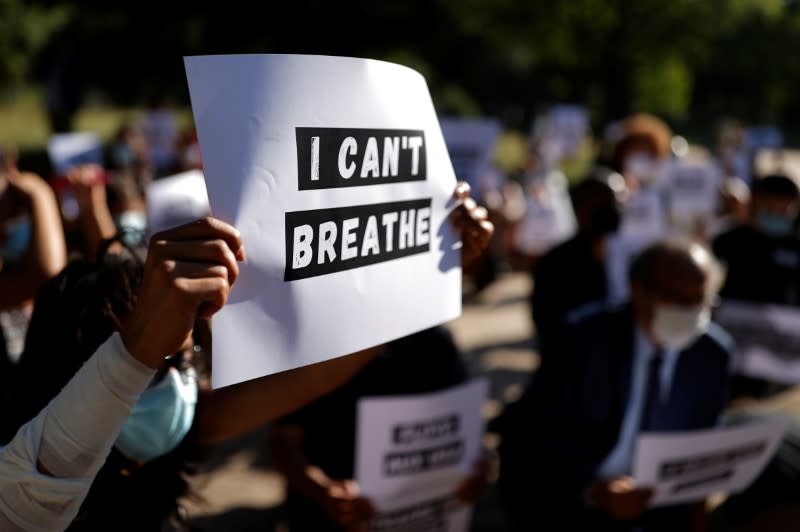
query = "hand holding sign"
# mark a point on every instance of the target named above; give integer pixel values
(188, 274)
(336, 172)
(620, 497)
(345, 506)
(472, 223)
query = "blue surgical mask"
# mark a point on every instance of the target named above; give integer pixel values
(161, 417)
(132, 225)
(18, 237)
(774, 225)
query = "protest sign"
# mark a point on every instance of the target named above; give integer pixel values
(429, 513)
(561, 131)
(470, 143)
(549, 218)
(693, 190)
(176, 200)
(418, 448)
(643, 222)
(67, 150)
(689, 466)
(767, 339)
(337, 175)
(644, 215)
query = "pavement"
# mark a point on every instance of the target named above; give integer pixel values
(238, 490)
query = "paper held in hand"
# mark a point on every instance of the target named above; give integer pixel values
(336, 173)
(413, 452)
(690, 466)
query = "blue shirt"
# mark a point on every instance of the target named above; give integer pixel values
(619, 460)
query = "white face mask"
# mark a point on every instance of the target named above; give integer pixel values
(640, 165)
(676, 327)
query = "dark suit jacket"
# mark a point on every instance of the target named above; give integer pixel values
(569, 418)
(566, 278)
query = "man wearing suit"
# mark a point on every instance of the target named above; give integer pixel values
(658, 364)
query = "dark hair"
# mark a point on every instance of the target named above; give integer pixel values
(74, 314)
(589, 188)
(645, 266)
(776, 185)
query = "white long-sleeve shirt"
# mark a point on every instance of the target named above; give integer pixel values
(71, 438)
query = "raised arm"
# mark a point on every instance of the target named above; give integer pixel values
(47, 251)
(265, 399)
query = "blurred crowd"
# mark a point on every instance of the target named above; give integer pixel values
(630, 262)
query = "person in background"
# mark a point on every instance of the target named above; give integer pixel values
(762, 256)
(129, 154)
(642, 150)
(315, 447)
(128, 209)
(32, 250)
(733, 209)
(129, 420)
(138, 456)
(658, 364)
(160, 127)
(573, 274)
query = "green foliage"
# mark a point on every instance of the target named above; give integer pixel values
(697, 59)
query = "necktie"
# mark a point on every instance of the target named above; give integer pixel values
(652, 393)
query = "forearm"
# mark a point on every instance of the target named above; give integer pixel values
(47, 469)
(49, 253)
(262, 400)
(302, 476)
(98, 225)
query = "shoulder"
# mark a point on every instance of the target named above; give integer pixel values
(717, 345)
(598, 315)
(719, 338)
(731, 237)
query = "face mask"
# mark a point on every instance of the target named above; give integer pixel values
(160, 418)
(606, 220)
(676, 327)
(132, 225)
(18, 237)
(640, 165)
(122, 155)
(774, 225)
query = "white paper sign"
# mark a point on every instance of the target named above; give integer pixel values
(693, 190)
(425, 512)
(689, 466)
(767, 339)
(420, 445)
(549, 218)
(336, 173)
(561, 131)
(644, 216)
(470, 143)
(67, 150)
(176, 200)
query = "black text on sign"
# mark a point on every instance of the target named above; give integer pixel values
(323, 241)
(342, 157)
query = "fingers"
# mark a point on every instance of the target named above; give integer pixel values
(462, 190)
(207, 228)
(205, 251)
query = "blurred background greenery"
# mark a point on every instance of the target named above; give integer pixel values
(692, 62)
